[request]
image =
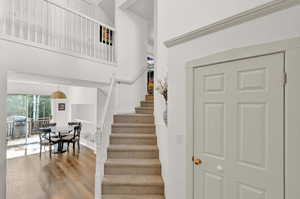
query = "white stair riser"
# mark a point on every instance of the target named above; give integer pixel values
(127, 170)
(127, 189)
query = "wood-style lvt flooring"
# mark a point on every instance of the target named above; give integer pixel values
(63, 177)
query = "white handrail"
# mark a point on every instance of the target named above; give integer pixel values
(130, 82)
(107, 102)
(101, 142)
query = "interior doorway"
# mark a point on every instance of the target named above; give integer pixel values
(239, 129)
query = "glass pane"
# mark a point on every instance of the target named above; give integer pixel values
(44, 107)
(16, 105)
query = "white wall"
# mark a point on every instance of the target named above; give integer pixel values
(161, 72)
(60, 117)
(83, 107)
(133, 33)
(3, 89)
(188, 15)
(277, 26)
(25, 59)
(20, 87)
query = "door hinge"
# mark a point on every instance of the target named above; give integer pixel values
(284, 79)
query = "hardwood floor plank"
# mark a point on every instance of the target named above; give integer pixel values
(63, 177)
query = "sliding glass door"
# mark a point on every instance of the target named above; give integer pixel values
(25, 113)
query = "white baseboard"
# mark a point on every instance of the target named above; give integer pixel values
(88, 144)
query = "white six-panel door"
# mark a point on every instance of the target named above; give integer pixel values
(239, 129)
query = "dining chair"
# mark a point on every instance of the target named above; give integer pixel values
(51, 124)
(73, 138)
(47, 140)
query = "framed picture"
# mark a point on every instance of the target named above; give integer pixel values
(61, 107)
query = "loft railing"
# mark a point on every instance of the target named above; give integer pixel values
(45, 24)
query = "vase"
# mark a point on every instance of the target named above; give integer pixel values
(165, 115)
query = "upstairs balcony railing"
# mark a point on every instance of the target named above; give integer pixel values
(45, 24)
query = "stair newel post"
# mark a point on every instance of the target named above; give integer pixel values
(102, 137)
(99, 172)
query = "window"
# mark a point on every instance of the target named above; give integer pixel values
(31, 106)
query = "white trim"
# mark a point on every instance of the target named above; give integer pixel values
(291, 48)
(88, 144)
(51, 80)
(265, 9)
(189, 134)
(55, 50)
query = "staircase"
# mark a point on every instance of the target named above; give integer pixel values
(133, 169)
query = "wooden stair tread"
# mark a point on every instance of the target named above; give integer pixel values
(134, 114)
(133, 162)
(133, 197)
(122, 148)
(133, 180)
(145, 108)
(133, 125)
(132, 135)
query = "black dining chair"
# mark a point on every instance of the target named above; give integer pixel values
(47, 140)
(51, 124)
(73, 138)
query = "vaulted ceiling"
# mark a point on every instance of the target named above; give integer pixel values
(143, 8)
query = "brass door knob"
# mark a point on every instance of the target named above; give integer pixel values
(197, 162)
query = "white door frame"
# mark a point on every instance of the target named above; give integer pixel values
(291, 50)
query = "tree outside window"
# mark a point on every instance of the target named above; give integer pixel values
(35, 107)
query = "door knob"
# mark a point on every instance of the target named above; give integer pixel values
(197, 162)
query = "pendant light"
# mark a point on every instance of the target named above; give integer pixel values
(58, 95)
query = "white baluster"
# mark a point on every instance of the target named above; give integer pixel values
(55, 21)
(113, 46)
(88, 36)
(29, 21)
(60, 28)
(22, 19)
(36, 20)
(93, 39)
(73, 32)
(2, 15)
(79, 34)
(97, 40)
(110, 46)
(81, 37)
(12, 17)
(107, 44)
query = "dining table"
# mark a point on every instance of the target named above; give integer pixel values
(60, 132)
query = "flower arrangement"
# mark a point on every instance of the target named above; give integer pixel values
(162, 88)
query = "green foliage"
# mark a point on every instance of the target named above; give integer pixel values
(26, 105)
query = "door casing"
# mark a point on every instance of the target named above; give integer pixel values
(291, 50)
